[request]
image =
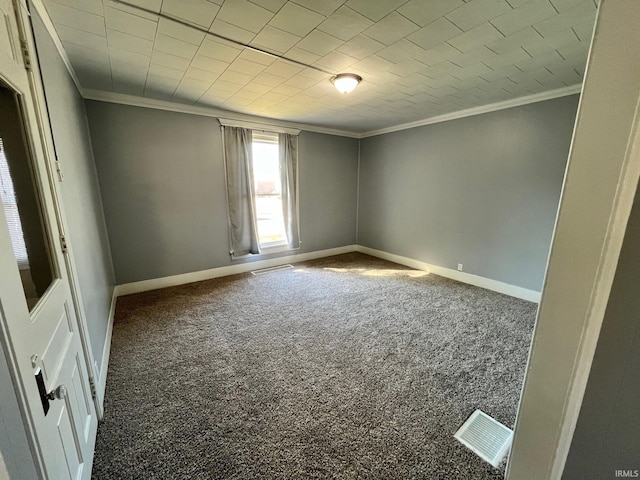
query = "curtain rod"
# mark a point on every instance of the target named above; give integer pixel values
(221, 37)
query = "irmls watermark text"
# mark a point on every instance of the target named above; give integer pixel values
(627, 473)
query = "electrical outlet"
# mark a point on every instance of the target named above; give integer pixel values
(459, 267)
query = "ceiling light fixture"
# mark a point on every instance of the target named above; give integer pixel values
(346, 82)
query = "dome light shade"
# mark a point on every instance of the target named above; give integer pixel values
(346, 82)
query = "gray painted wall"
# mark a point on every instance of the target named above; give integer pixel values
(607, 436)
(162, 180)
(80, 191)
(482, 191)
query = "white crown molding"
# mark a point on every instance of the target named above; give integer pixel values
(515, 102)
(51, 29)
(482, 282)
(144, 102)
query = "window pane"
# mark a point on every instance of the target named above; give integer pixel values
(21, 203)
(266, 171)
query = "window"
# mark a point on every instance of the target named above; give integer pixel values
(261, 169)
(10, 205)
(268, 190)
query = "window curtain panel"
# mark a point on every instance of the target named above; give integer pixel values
(288, 149)
(238, 158)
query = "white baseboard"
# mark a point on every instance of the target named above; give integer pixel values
(172, 281)
(489, 284)
(104, 367)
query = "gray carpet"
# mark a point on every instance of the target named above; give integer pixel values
(347, 367)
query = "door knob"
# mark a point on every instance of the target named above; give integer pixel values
(59, 393)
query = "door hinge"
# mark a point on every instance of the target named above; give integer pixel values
(92, 386)
(26, 56)
(59, 170)
(63, 244)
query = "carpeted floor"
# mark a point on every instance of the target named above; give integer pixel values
(347, 367)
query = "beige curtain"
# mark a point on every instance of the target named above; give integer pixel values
(243, 227)
(288, 148)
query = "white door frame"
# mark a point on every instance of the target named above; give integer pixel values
(600, 185)
(46, 137)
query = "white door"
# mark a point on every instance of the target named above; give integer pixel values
(39, 328)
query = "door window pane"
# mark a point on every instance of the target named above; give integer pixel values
(21, 202)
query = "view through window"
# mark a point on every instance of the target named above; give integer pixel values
(266, 173)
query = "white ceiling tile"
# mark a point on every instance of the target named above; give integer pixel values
(301, 82)
(94, 77)
(233, 32)
(218, 50)
(272, 5)
(175, 47)
(434, 34)
(224, 86)
(136, 8)
(336, 61)
(300, 55)
(165, 72)
(476, 12)
(75, 18)
(194, 11)
(562, 5)
(391, 28)
(410, 66)
(91, 6)
(128, 23)
(515, 41)
(584, 30)
(244, 14)
(507, 58)
(268, 79)
(536, 62)
(209, 64)
(246, 67)
(524, 16)
(297, 20)
(471, 72)
(275, 40)
(202, 75)
(319, 43)
(131, 58)
(443, 69)
(361, 46)
(190, 89)
(577, 15)
(79, 37)
(129, 43)
(179, 31)
(543, 45)
(345, 23)
(437, 54)
(471, 39)
(80, 54)
(375, 10)
(235, 77)
(424, 12)
(477, 55)
(324, 7)
(170, 61)
(257, 87)
(257, 57)
(374, 64)
(247, 94)
(283, 69)
(287, 90)
(153, 5)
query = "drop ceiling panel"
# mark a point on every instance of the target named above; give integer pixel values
(418, 58)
